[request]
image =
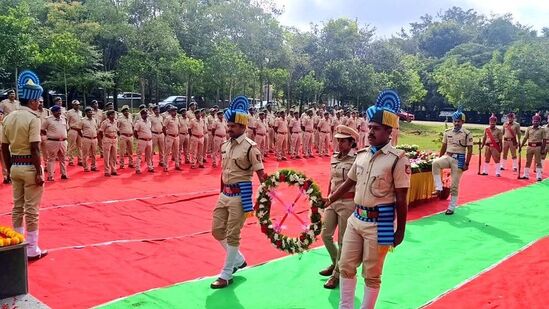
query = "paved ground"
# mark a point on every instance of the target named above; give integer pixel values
(22, 302)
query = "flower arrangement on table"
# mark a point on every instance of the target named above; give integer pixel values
(272, 229)
(9, 237)
(420, 161)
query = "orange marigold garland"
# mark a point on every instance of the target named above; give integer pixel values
(282, 242)
(9, 237)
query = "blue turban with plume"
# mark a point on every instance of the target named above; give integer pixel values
(385, 110)
(28, 86)
(238, 111)
(458, 115)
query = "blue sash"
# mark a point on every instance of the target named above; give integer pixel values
(245, 194)
(385, 221)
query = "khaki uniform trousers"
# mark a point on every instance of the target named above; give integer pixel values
(158, 142)
(126, 149)
(26, 196)
(171, 146)
(43, 150)
(56, 150)
(197, 150)
(89, 148)
(261, 141)
(533, 153)
(5, 172)
(491, 152)
(281, 145)
(184, 147)
(271, 139)
(448, 162)
(509, 146)
(324, 143)
(216, 151)
(228, 219)
(336, 216)
(316, 140)
(360, 246)
(75, 145)
(109, 154)
(205, 149)
(307, 143)
(295, 145)
(144, 148)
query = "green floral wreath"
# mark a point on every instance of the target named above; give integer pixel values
(308, 187)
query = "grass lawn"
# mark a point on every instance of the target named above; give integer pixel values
(429, 137)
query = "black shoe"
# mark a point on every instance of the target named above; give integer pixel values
(484, 174)
(64, 177)
(7, 181)
(449, 212)
(240, 267)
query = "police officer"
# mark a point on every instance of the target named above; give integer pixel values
(74, 117)
(492, 143)
(381, 178)
(157, 121)
(362, 132)
(535, 136)
(21, 152)
(337, 213)
(197, 129)
(88, 132)
(261, 129)
(143, 134)
(125, 132)
(296, 137)
(456, 151)
(44, 113)
(184, 136)
(108, 131)
(511, 140)
(10, 104)
(171, 131)
(308, 132)
(325, 134)
(281, 130)
(5, 173)
(219, 133)
(55, 130)
(241, 158)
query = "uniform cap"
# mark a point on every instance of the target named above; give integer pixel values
(536, 117)
(238, 111)
(346, 132)
(493, 118)
(88, 109)
(458, 115)
(143, 111)
(75, 102)
(125, 108)
(172, 108)
(511, 115)
(109, 104)
(142, 107)
(55, 108)
(182, 110)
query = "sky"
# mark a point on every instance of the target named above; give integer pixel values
(389, 16)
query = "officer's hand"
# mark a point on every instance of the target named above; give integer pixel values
(399, 237)
(326, 202)
(39, 179)
(465, 167)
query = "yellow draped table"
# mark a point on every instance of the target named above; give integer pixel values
(421, 187)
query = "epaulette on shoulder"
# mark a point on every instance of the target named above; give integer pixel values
(397, 152)
(448, 130)
(250, 141)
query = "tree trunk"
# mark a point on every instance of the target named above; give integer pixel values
(16, 87)
(187, 93)
(66, 94)
(142, 82)
(84, 94)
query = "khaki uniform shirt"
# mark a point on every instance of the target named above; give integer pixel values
(220, 128)
(240, 158)
(281, 125)
(157, 123)
(98, 115)
(109, 129)
(547, 134)
(183, 125)
(295, 125)
(362, 125)
(190, 114)
(457, 142)
(125, 124)
(251, 122)
(308, 123)
(9, 106)
(271, 118)
(197, 128)
(339, 168)
(45, 113)
(261, 126)
(507, 129)
(535, 135)
(89, 127)
(143, 128)
(325, 125)
(496, 133)
(104, 116)
(55, 128)
(375, 179)
(172, 125)
(352, 123)
(210, 121)
(336, 122)
(21, 128)
(73, 119)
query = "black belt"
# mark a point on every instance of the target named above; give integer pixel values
(157, 132)
(57, 139)
(534, 144)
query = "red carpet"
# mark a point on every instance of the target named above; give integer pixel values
(519, 282)
(112, 237)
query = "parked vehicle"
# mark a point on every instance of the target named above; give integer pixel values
(177, 101)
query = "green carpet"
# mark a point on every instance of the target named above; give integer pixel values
(439, 252)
